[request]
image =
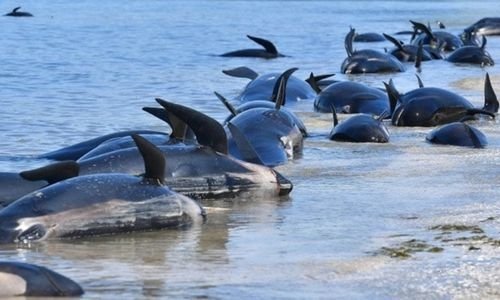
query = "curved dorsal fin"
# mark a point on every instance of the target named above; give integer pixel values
(179, 128)
(348, 41)
(16, 9)
(395, 41)
(424, 29)
(420, 83)
(313, 82)
(247, 151)
(490, 98)
(241, 72)
(208, 131)
(227, 104)
(392, 94)
(154, 160)
(54, 172)
(279, 90)
(268, 45)
(334, 115)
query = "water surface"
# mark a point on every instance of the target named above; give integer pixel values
(363, 221)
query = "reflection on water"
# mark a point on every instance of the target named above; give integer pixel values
(67, 77)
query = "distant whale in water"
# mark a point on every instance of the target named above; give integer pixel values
(269, 50)
(23, 279)
(16, 13)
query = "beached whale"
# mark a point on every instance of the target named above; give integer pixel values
(367, 60)
(485, 26)
(264, 87)
(75, 151)
(360, 128)
(472, 54)
(458, 134)
(30, 280)
(431, 106)
(266, 135)
(352, 97)
(100, 204)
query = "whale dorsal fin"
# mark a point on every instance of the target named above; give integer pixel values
(334, 115)
(490, 98)
(420, 83)
(424, 29)
(279, 90)
(53, 173)
(268, 45)
(395, 41)
(392, 94)
(247, 151)
(227, 104)
(241, 72)
(349, 39)
(313, 82)
(179, 128)
(154, 160)
(16, 9)
(208, 131)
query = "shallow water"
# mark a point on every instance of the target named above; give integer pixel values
(363, 220)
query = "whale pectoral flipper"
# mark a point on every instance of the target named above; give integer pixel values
(268, 45)
(53, 173)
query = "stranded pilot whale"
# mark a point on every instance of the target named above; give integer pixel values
(23, 279)
(100, 204)
(360, 128)
(269, 50)
(458, 134)
(431, 106)
(74, 152)
(367, 60)
(263, 135)
(201, 170)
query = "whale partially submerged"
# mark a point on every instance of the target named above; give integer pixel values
(30, 280)
(100, 204)
(17, 13)
(269, 51)
(432, 106)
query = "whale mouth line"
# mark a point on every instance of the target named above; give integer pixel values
(35, 232)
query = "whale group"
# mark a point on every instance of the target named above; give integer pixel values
(139, 180)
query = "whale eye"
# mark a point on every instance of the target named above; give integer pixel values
(34, 233)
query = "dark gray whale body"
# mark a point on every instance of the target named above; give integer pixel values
(269, 50)
(360, 128)
(368, 60)
(431, 106)
(23, 279)
(458, 134)
(100, 204)
(16, 13)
